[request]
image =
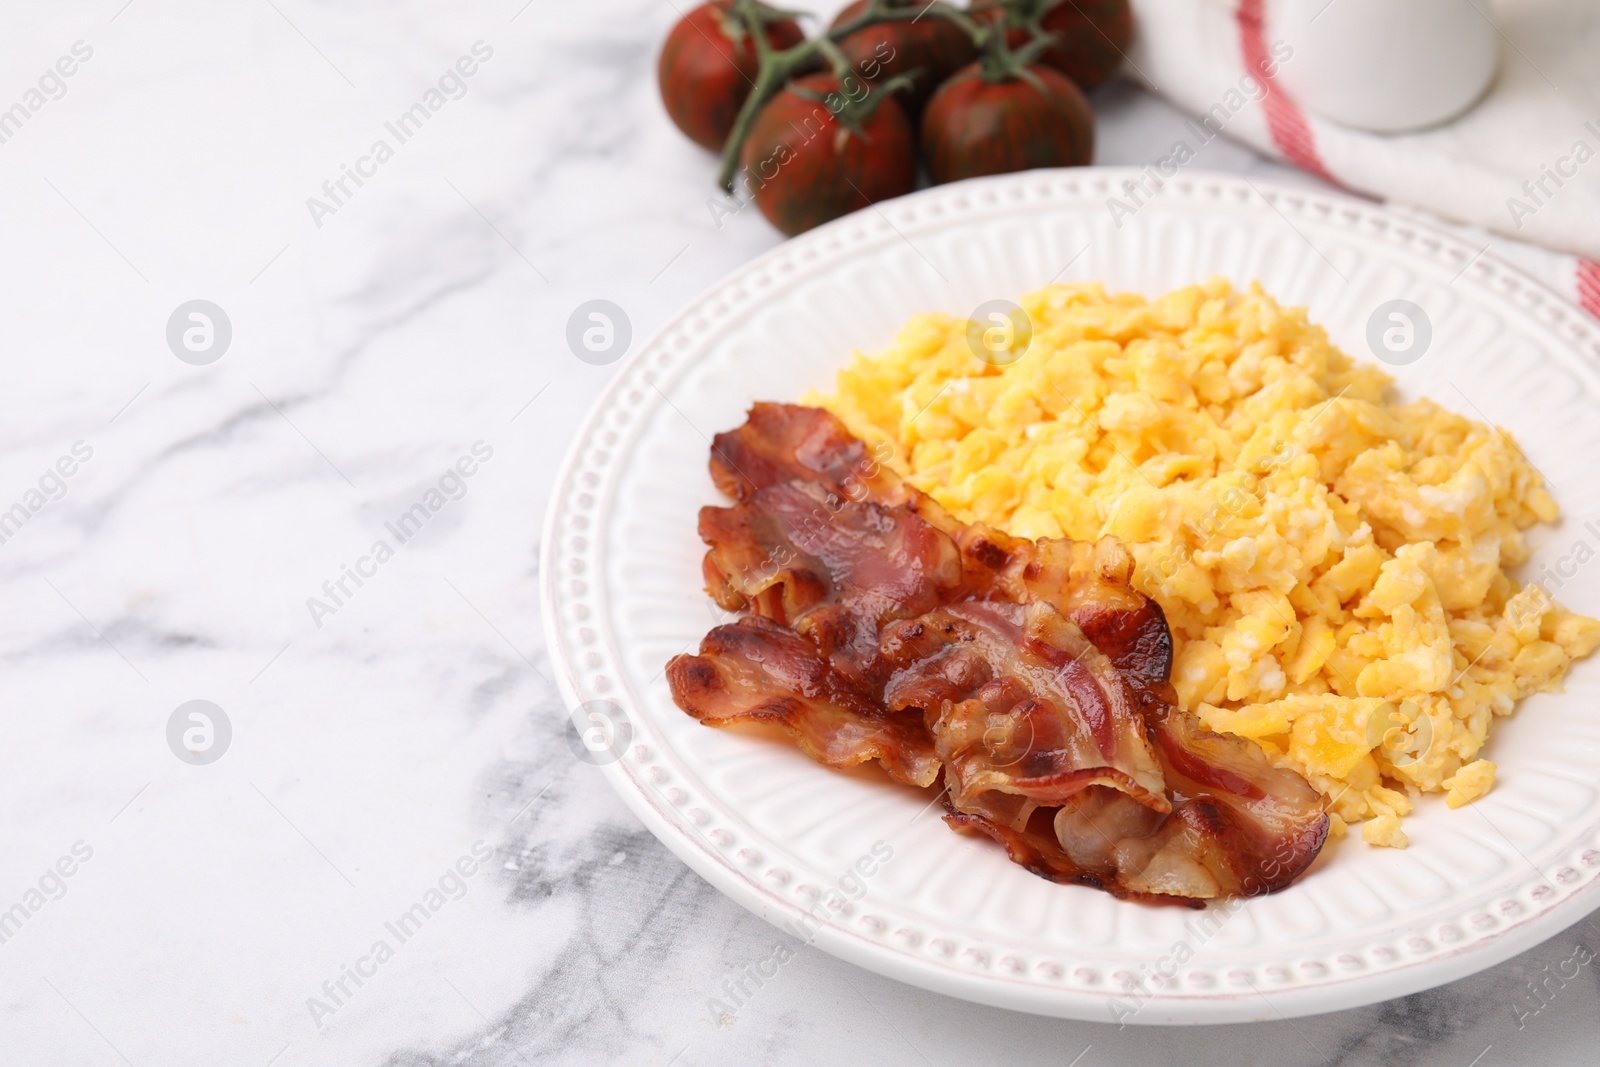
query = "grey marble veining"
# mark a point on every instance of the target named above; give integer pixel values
(382, 745)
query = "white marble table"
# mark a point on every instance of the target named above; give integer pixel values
(380, 738)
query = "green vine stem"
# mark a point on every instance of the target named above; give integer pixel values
(780, 66)
(998, 62)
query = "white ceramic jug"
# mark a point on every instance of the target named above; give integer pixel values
(1385, 65)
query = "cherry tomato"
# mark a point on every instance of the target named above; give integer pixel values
(929, 48)
(707, 68)
(974, 127)
(805, 167)
(1092, 36)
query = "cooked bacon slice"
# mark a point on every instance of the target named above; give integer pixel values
(1181, 855)
(787, 442)
(834, 570)
(1034, 846)
(1091, 584)
(756, 670)
(1020, 703)
(1276, 821)
(1239, 827)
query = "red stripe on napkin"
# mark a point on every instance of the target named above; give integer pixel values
(1589, 286)
(1287, 124)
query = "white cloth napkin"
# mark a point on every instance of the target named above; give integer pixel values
(1544, 102)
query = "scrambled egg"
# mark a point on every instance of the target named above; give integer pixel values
(1333, 564)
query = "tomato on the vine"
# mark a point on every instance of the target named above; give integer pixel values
(1034, 118)
(805, 164)
(1091, 35)
(707, 66)
(929, 49)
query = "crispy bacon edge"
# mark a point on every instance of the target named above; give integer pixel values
(757, 670)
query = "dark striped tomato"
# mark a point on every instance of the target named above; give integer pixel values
(708, 67)
(805, 168)
(1092, 36)
(974, 127)
(933, 47)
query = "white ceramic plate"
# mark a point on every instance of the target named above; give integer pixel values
(780, 834)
